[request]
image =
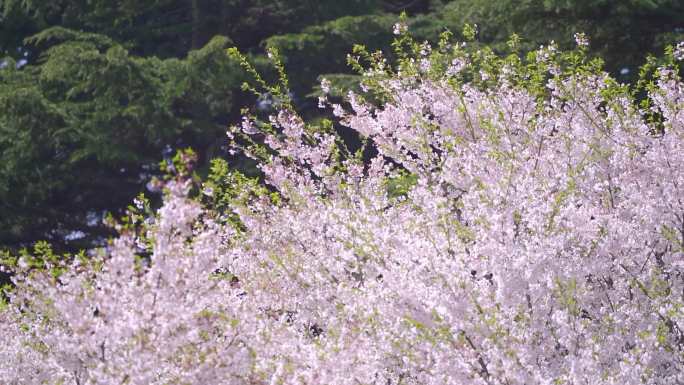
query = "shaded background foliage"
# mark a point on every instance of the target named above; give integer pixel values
(95, 93)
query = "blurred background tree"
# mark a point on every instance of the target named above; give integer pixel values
(622, 32)
(95, 93)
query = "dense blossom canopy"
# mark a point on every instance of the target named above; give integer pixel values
(503, 234)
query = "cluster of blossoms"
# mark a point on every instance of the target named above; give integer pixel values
(502, 234)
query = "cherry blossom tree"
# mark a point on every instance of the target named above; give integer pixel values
(521, 222)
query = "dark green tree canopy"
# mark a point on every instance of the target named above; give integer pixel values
(84, 128)
(95, 93)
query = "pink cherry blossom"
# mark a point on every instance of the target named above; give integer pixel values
(541, 243)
